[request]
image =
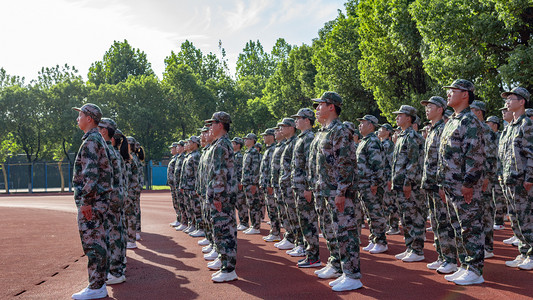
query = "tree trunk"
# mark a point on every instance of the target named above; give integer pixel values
(5, 177)
(61, 176)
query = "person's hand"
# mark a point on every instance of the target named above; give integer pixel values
(374, 189)
(407, 191)
(218, 205)
(339, 203)
(442, 195)
(389, 186)
(87, 212)
(485, 185)
(308, 196)
(240, 187)
(253, 189)
(528, 185)
(468, 194)
(270, 190)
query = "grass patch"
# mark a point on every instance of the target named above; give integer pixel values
(160, 187)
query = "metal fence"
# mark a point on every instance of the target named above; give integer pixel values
(57, 176)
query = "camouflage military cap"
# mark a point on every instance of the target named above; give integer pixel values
(329, 97)
(194, 139)
(439, 101)
(461, 84)
(417, 120)
(238, 140)
(479, 105)
(91, 110)
(493, 119)
(503, 108)
(258, 145)
(350, 126)
(520, 91)
(118, 134)
(181, 143)
(304, 113)
(220, 116)
(269, 131)
(175, 144)
(251, 136)
(529, 112)
(406, 109)
(448, 113)
(131, 140)
(370, 118)
(204, 129)
(356, 132)
(289, 122)
(107, 123)
(387, 126)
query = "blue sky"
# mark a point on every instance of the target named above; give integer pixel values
(36, 33)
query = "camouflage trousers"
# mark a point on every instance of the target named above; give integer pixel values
(175, 202)
(290, 217)
(225, 234)
(467, 222)
(206, 220)
(488, 219)
(116, 250)
(93, 234)
(273, 213)
(391, 209)
(254, 205)
(137, 211)
(183, 217)
(444, 235)
(280, 207)
(308, 221)
(262, 204)
(195, 210)
(522, 205)
(242, 208)
(413, 222)
(374, 206)
(328, 229)
(345, 226)
(500, 205)
(130, 217)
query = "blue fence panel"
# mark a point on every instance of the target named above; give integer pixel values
(159, 175)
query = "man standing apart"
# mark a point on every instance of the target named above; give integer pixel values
(92, 183)
(461, 158)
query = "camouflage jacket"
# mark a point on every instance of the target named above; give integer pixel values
(221, 184)
(405, 169)
(311, 162)
(177, 169)
(93, 172)
(264, 170)
(189, 170)
(490, 139)
(202, 172)
(134, 176)
(124, 173)
(335, 160)
(517, 152)
(461, 152)
(300, 156)
(501, 143)
(251, 163)
(370, 161)
(237, 159)
(170, 170)
(285, 163)
(431, 155)
(117, 195)
(275, 164)
(388, 149)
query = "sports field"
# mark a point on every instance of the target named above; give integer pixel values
(41, 258)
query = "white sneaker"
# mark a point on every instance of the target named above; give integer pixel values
(329, 274)
(286, 246)
(211, 255)
(393, 231)
(348, 284)
(245, 231)
(412, 257)
(510, 240)
(272, 238)
(224, 277)
(456, 274)
(203, 242)
(517, 261)
(215, 265)
(88, 293)
(334, 282)
(251, 230)
(468, 278)
(174, 224)
(516, 242)
(216, 273)
(241, 227)
(489, 254)
(447, 268)
(190, 229)
(131, 245)
(527, 264)
(435, 265)
(498, 227)
(137, 236)
(114, 280)
(400, 256)
(181, 227)
(320, 235)
(281, 242)
(298, 252)
(197, 233)
(328, 266)
(207, 248)
(379, 248)
(369, 247)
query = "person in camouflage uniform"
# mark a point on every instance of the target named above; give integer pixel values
(250, 181)
(170, 180)
(461, 165)
(336, 176)
(266, 187)
(389, 197)
(275, 170)
(370, 165)
(489, 176)
(405, 181)
(136, 193)
(188, 185)
(221, 185)
(92, 182)
(517, 177)
(200, 188)
(440, 224)
(500, 208)
(182, 217)
(116, 251)
(134, 189)
(242, 206)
